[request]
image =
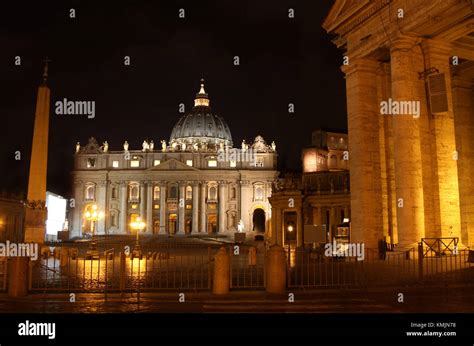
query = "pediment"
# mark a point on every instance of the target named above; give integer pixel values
(173, 165)
(341, 12)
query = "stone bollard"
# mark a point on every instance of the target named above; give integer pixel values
(252, 256)
(221, 282)
(18, 273)
(275, 264)
(63, 256)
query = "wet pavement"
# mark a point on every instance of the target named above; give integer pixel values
(416, 299)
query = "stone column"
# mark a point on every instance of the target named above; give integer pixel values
(101, 205)
(163, 220)
(222, 206)
(463, 101)
(149, 208)
(203, 206)
(245, 201)
(446, 193)
(123, 227)
(181, 207)
(364, 161)
(407, 151)
(195, 224)
(76, 229)
(143, 198)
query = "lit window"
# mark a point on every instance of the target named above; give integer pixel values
(259, 193)
(134, 163)
(189, 206)
(212, 163)
(134, 206)
(90, 163)
(189, 162)
(115, 164)
(189, 192)
(156, 162)
(90, 192)
(233, 163)
(156, 192)
(134, 192)
(157, 206)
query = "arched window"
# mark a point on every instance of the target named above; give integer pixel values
(189, 192)
(134, 191)
(90, 192)
(156, 192)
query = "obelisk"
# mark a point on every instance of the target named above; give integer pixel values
(35, 214)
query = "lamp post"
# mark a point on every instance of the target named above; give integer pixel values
(93, 214)
(137, 225)
(290, 228)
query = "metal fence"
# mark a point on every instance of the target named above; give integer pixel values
(191, 268)
(247, 267)
(308, 268)
(117, 271)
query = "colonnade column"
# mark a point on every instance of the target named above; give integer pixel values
(363, 114)
(123, 207)
(407, 150)
(195, 223)
(181, 207)
(162, 208)
(203, 207)
(149, 208)
(446, 194)
(222, 206)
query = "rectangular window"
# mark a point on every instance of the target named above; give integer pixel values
(233, 163)
(115, 164)
(189, 162)
(134, 163)
(156, 206)
(212, 163)
(156, 162)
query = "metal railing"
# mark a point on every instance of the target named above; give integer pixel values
(117, 271)
(308, 268)
(247, 268)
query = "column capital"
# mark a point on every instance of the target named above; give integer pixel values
(438, 48)
(403, 42)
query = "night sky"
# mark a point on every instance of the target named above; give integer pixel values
(282, 60)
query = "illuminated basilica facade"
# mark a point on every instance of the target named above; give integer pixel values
(197, 182)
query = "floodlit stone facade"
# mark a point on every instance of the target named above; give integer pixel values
(410, 170)
(197, 182)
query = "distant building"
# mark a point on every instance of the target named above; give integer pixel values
(328, 152)
(318, 198)
(197, 182)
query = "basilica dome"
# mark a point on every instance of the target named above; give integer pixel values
(201, 128)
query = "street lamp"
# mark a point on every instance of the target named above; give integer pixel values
(137, 225)
(290, 235)
(93, 214)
